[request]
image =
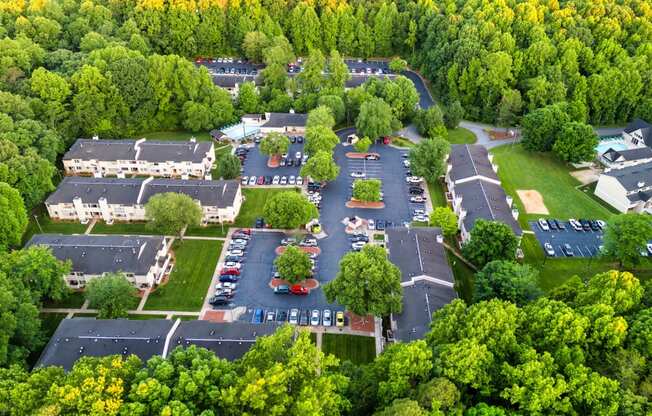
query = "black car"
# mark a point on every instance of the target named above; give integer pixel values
(300, 139)
(293, 139)
(235, 259)
(282, 316)
(552, 224)
(586, 225)
(594, 225)
(357, 238)
(268, 180)
(218, 300)
(568, 250)
(380, 225)
(260, 223)
(416, 191)
(560, 225)
(290, 162)
(304, 318)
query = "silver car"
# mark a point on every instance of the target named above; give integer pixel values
(314, 317)
(252, 180)
(294, 316)
(327, 318)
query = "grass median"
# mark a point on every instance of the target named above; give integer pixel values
(355, 348)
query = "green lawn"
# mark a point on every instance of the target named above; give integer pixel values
(253, 205)
(128, 228)
(74, 300)
(208, 231)
(139, 317)
(184, 317)
(520, 169)
(402, 142)
(175, 135)
(193, 269)
(460, 135)
(437, 196)
(47, 226)
(355, 348)
(463, 277)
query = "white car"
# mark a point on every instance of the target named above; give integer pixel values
(406, 163)
(601, 224)
(357, 246)
(226, 285)
(284, 156)
(543, 224)
(271, 316)
(276, 180)
(299, 180)
(252, 180)
(294, 316)
(314, 317)
(284, 180)
(232, 265)
(413, 179)
(308, 242)
(239, 241)
(418, 199)
(549, 249)
(292, 180)
(649, 248)
(297, 155)
(419, 212)
(576, 225)
(235, 252)
(371, 224)
(327, 318)
(358, 175)
(420, 218)
(244, 180)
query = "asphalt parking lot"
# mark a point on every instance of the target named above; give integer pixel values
(583, 243)
(256, 163)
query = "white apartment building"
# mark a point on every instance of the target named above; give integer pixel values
(116, 199)
(143, 260)
(123, 158)
(628, 189)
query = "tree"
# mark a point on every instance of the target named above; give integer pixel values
(13, 220)
(490, 240)
(321, 116)
(430, 122)
(274, 144)
(620, 290)
(196, 116)
(453, 115)
(541, 126)
(576, 142)
(444, 218)
(254, 44)
(362, 145)
(111, 294)
(49, 85)
(311, 77)
(367, 190)
(336, 105)
(402, 96)
(228, 166)
(402, 407)
(289, 210)
(428, 157)
(321, 167)
(248, 99)
(626, 235)
(398, 65)
(506, 280)
(509, 108)
(367, 283)
(375, 118)
(338, 71)
(320, 139)
(438, 393)
(170, 213)
(293, 265)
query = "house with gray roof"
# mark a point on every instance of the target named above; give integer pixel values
(123, 158)
(90, 337)
(638, 133)
(617, 159)
(426, 277)
(627, 189)
(476, 190)
(116, 199)
(143, 260)
(285, 123)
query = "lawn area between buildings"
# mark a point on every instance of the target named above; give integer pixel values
(460, 135)
(194, 265)
(355, 348)
(202, 136)
(463, 277)
(523, 170)
(437, 196)
(73, 300)
(253, 205)
(47, 226)
(402, 142)
(123, 228)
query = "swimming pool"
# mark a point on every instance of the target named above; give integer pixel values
(616, 144)
(240, 131)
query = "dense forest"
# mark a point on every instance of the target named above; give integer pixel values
(583, 350)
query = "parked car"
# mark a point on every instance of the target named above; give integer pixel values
(232, 265)
(413, 179)
(575, 224)
(308, 242)
(649, 248)
(568, 250)
(268, 180)
(276, 180)
(594, 225)
(358, 175)
(283, 161)
(244, 180)
(560, 225)
(339, 319)
(282, 316)
(294, 316)
(315, 317)
(586, 225)
(243, 231)
(297, 155)
(242, 236)
(359, 237)
(299, 180)
(284, 180)
(271, 316)
(237, 259)
(282, 289)
(418, 199)
(219, 300)
(260, 223)
(303, 319)
(371, 224)
(327, 318)
(293, 139)
(292, 180)
(357, 246)
(239, 241)
(290, 162)
(299, 290)
(372, 156)
(300, 139)
(602, 224)
(235, 252)
(552, 225)
(258, 316)
(228, 278)
(549, 249)
(406, 163)
(288, 241)
(416, 190)
(231, 271)
(237, 247)
(380, 225)
(226, 285)
(543, 224)
(420, 218)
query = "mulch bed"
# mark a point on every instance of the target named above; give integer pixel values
(361, 323)
(214, 316)
(500, 135)
(274, 161)
(358, 155)
(362, 204)
(310, 250)
(310, 284)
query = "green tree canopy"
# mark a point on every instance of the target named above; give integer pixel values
(112, 295)
(363, 144)
(375, 118)
(490, 240)
(626, 236)
(506, 280)
(274, 144)
(398, 65)
(367, 283)
(289, 210)
(293, 265)
(321, 116)
(336, 105)
(320, 139)
(576, 143)
(169, 213)
(227, 166)
(445, 218)
(321, 167)
(248, 99)
(428, 158)
(13, 220)
(367, 190)
(541, 127)
(430, 122)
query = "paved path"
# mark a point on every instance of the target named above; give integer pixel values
(215, 278)
(141, 304)
(71, 311)
(189, 237)
(90, 226)
(320, 337)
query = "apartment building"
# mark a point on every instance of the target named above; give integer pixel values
(627, 189)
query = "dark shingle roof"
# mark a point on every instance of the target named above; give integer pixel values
(485, 200)
(78, 337)
(125, 191)
(628, 155)
(227, 340)
(644, 126)
(416, 252)
(97, 254)
(275, 120)
(230, 81)
(419, 303)
(468, 160)
(150, 150)
(631, 177)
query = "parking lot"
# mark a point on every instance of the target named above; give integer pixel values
(256, 163)
(582, 243)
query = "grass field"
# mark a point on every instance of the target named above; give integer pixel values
(357, 349)
(463, 277)
(140, 317)
(132, 228)
(253, 205)
(193, 269)
(402, 142)
(520, 169)
(175, 135)
(461, 135)
(47, 226)
(437, 196)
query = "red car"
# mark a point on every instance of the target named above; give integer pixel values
(243, 231)
(299, 290)
(261, 180)
(231, 270)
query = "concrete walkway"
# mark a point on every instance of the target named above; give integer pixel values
(90, 226)
(141, 304)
